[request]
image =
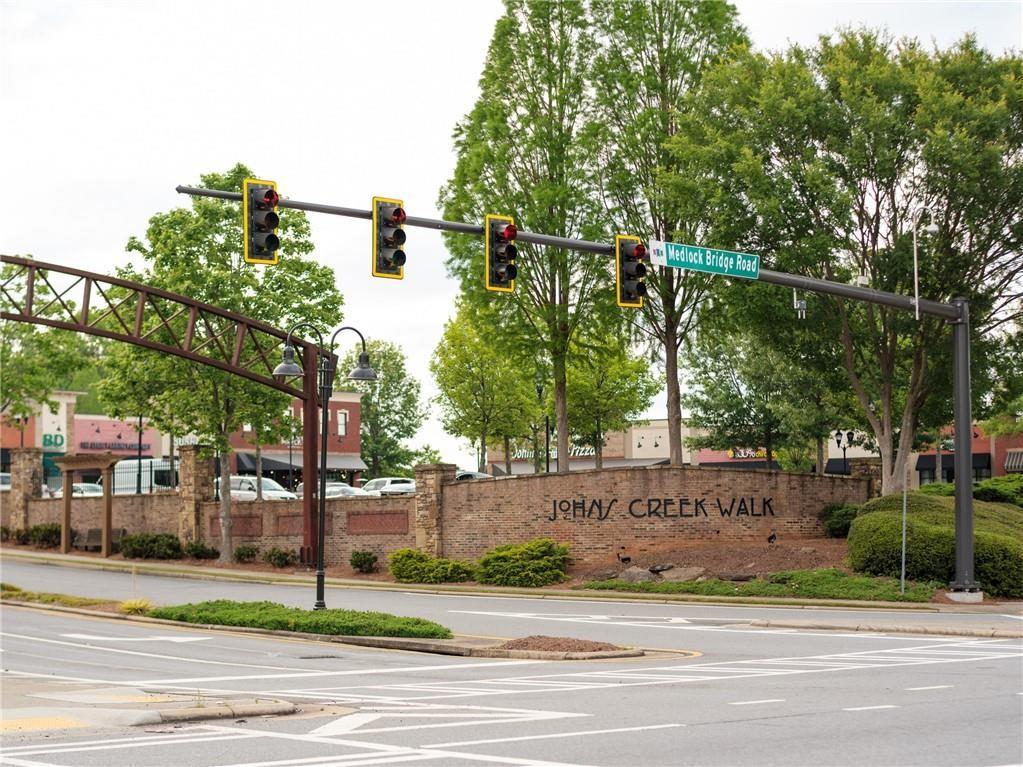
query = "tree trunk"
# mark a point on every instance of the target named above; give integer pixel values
(561, 412)
(259, 472)
(674, 395)
(226, 542)
(507, 455)
(821, 463)
(483, 452)
(598, 448)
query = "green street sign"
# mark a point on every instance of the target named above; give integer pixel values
(700, 259)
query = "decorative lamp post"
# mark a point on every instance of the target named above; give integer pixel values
(289, 368)
(931, 228)
(844, 445)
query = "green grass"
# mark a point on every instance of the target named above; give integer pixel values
(9, 591)
(270, 615)
(811, 584)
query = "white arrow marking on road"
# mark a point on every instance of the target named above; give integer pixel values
(346, 724)
(95, 638)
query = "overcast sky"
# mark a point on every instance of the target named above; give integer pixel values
(122, 101)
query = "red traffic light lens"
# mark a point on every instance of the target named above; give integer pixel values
(509, 233)
(640, 250)
(271, 198)
(398, 215)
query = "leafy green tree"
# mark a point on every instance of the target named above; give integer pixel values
(651, 54)
(35, 360)
(196, 251)
(609, 389)
(482, 394)
(524, 151)
(821, 157)
(426, 454)
(391, 411)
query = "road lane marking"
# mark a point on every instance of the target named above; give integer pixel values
(82, 746)
(1014, 617)
(31, 723)
(100, 638)
(868, 708)
(932, 687)
(754, 702)
(575, 734)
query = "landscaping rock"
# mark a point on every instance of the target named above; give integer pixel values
(661, 568)
(679, 574)
(808, 550)
(602, 575)
(637, 575)
(737, 576)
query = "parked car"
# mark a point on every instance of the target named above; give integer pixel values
(338, 490)
(390, 485)
(5, 481)
(82, 490)
(472, 475)
(243, 488)
(152, 474)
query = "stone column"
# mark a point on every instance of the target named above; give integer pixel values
(26, 483)
(429, 505)
(195, 487)
(106, 544)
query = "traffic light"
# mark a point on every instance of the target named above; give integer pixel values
(260, 221)
(630, 269)
(500, 252)
(388, 238)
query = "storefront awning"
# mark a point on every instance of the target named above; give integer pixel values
(928, 462)
(346, 462)
(1014, 460)
(247, 463)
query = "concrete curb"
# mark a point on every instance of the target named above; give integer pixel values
(226, 711)
(928, 630)
(213, 574)
(433, 646)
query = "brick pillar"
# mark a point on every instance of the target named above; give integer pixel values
(429, 505)
(870, 469)
(196, 487)
(26, 483)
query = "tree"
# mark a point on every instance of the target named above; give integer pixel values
(35, 360)
(481, 393)
(735, 386)
(821, 157)
(651, 54)
(391, 408)
(523, 151)
(608, 388)
(196, 251)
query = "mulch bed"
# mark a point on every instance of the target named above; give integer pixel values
(557, 644)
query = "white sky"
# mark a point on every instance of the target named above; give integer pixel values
(122, 101)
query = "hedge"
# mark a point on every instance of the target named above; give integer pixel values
(151, 546)
(875, 541)
(411, 566)
(539, 562)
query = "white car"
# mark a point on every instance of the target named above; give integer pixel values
(83, 490)
(339, 490)
(5, 481)
(243, 488)
(390, 485)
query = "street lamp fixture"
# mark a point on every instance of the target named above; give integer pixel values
(845, 446)
(326, 369)
(932, 229)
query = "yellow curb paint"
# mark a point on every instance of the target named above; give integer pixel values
(30, 723)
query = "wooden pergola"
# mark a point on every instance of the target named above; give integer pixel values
(69, 464)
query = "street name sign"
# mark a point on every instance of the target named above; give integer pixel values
(700, 259)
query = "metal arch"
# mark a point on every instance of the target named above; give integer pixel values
(156, 319)
(146, 316)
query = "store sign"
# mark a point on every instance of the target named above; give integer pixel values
(747, 452)
(113, 445)
(574, 452)
(53, 440)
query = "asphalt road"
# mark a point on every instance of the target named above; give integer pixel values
(751, 697)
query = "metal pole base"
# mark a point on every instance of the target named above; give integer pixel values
(320, 603)
(966, 595)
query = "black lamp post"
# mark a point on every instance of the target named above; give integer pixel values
(289, 368)
(847, 444)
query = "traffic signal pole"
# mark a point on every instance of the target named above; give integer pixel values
(956, 313)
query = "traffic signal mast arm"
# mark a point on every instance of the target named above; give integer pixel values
(894, 300)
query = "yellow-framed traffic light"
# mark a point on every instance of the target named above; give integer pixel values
(388, 254)
(499, 233)
(630, 269)
(260, 243)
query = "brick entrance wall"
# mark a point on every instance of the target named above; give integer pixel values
(644, 510)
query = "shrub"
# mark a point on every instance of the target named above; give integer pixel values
(837, 519)
(280, 557)
(539, 562)
(411, 566)
(5, 534)
(938, 488)
(271, 615)
(151, 546)
(199, 550)
(20, 537)
(1010, 486)
(247, 552)
(875, 542)
(46, 536)
(363, 561)
(135, 606)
